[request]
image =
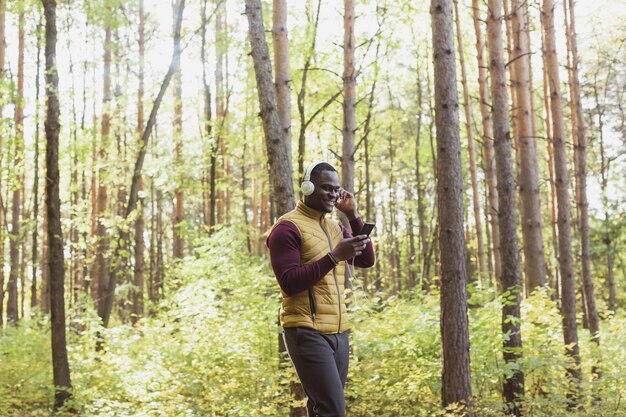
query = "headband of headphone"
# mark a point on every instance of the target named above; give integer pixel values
(307, 187)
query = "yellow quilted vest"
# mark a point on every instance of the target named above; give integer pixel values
(323, 307)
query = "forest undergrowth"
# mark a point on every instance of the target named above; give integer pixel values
(210, 348)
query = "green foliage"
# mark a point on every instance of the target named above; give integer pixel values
(210, 349)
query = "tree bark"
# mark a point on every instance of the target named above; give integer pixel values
(349, 98)
(60, 364)
(510, 285)
(278, 151)
(220, 153)
(482, 268)
(139, 247)
(581, 175)
(488, 150)
(210, 177)
(179, 211)
(456, 382)
(18, 160)
(2, 207)
(35, 243)
(566, 262)
(102, 241)
(534, 262)
(556, 282)
(281, 62)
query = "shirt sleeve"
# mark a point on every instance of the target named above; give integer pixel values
(367, 258)
(284, 243)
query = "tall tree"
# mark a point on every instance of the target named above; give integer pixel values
(283, 91)
(139, 247)
(456, 384)
(179, 210)
(18, 187)
(221, 110)
(487, 125)
(278, 151)
(566, 262)
(469, 128)
(349, 98)
(534, 262)
(35, 234)
(60, 364)
(281, 63)
(100, 279)
(580, 170)
(2, 206)
(510, 285)
(556, 282)
(209, 179)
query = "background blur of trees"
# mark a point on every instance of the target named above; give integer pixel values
(133, 85)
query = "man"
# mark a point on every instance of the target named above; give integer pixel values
(309, 253)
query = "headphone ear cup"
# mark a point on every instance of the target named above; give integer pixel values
(307, 188)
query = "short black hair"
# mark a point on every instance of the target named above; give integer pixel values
(319, 168)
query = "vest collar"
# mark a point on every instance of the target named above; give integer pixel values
(308, 211)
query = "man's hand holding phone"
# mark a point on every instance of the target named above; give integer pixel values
(353, 246)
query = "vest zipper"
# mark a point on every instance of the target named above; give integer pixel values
(312, 304)
(330, 246)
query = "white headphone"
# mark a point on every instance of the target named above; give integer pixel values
(307, 187)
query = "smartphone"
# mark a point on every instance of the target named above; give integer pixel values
(367, 229)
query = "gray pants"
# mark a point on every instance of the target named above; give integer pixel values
(321, 362)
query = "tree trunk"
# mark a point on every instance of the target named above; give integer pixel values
(510, 285)
(528, 178)
(220, 109)
(281, 61)
(488, 151)
(209, 178)
(607, 237)
(283, 90)
(60, 364)
(138, 279)
(102, 240)
(482, 268)
(349, 98)
(456, 382)
(179, 211)
(18, 160)
(278, 151)
(35, 242)
(581, 175)
(556, 282)
(566, 262)
(2, 207)
(419, 181)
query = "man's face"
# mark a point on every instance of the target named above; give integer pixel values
(326, 192)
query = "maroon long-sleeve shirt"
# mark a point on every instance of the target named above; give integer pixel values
(285, 242)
